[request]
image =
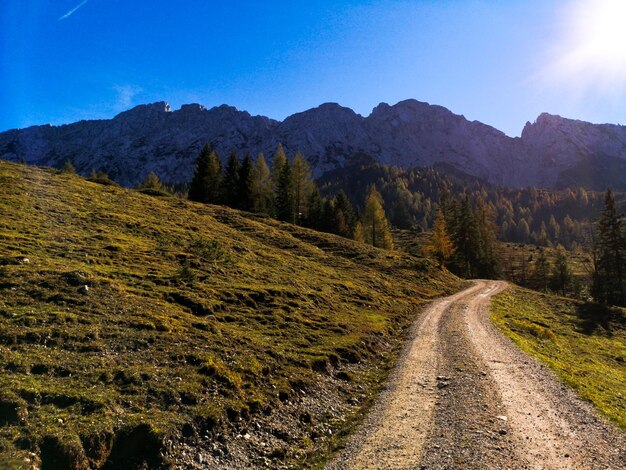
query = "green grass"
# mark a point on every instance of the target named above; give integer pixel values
(193, 316)
(585, 344)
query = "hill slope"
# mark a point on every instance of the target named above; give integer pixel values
(551, 152)
(143, 330)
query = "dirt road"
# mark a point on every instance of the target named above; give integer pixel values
(463, 396)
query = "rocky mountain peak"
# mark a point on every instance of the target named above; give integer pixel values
(145, 111)
(410, 133)
(405, 110)
(548, 125)
(325, 112)
(192, 108)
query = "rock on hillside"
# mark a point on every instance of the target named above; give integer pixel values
(551, 152)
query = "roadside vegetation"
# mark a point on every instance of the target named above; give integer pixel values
(132, 325)
(584, 343)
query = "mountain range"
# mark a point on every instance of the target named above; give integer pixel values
(552, 152)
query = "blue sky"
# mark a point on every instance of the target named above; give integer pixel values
(66, 60)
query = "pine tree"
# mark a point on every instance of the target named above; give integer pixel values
(440, 245)
(359, 236)
(523, 231)
(199, 186)
(248, 181)
(542, 237)
(375, 224)
(561, 273)
(554, 229)
(264, 192)
(342, 204)
(341, 225)
(279, 160)
(489, 265)
(327, 222)
(315, 214)
(213, 179)
(285, 204)
(68, 168)
(230, 182)
(301, 174)
(152, 182)
(541, 271)
(608, 282)
(467, 241)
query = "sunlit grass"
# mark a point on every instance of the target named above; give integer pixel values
(584, 344)
(258, 306)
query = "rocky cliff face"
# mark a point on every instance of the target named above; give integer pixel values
(551, 152)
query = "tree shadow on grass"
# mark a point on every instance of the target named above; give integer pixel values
(594, 316)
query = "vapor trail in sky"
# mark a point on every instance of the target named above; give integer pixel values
(73, 10)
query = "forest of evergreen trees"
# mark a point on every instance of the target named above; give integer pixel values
(464, 240)
(288, 193)
(467, 215)
(541, 217)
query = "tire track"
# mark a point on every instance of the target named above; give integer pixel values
(396, 429)
(463, 396)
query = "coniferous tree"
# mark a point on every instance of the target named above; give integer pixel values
(248, 181)
(359, 236)
(315, 214)
(327, 222)
(285, 204)
(264, 192)
(230, 182)
(68, 168)
(342, 204)
(561, 273)
(467, 241)
(152, 182)
(198, 188)
(213, 179)
(523, 231)
(301, 175)
(554, 229)
(610, 255)
(440, 245)
(375, 224)
(489, 265)
(278, 162)
(541, 271)
(341, 225)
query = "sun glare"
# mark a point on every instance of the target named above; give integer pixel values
(603, 32)
(592, 51)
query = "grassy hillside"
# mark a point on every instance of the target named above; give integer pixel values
(585, 344)
(135, 329)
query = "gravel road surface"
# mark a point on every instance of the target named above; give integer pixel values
(464, 396)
